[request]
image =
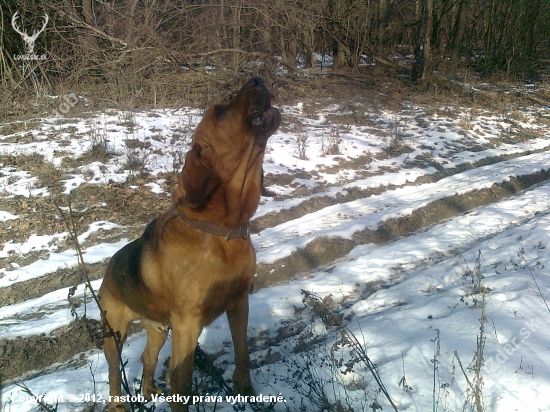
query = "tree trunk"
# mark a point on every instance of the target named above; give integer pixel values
(87, 11)
(266, 31)
(223, 27)
(458, 35)
(417, 10)
(130, 25)
(309, 41)
(292, 51)
(237, 36)
(338, 56)
(427, 69)
(88, 43)
(382, 10)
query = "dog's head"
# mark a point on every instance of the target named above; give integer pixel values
(224, 164)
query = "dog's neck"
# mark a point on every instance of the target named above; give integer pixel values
(234, 201)
(242, 231)
(226, 206)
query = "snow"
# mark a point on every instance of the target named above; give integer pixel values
(400, 299)
(155, 187)
(401, 318)
(66, 258)
(20, 183)
(15, 322)
(5, 216)
(345, 219)
(35, 242)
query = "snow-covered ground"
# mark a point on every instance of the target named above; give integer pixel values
(414, 303)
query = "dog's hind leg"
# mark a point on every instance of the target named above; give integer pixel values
(156, 336)
(238, 323)
(118, 316)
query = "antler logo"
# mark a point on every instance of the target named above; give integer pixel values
(29, 40)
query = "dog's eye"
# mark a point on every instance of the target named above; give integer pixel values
(219, 111)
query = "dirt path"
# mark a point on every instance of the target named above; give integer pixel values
(40, 351)
(132, 204)
(67, 277)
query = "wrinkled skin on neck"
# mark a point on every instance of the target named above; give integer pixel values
(221, 179)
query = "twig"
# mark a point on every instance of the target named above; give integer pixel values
(476, 385)
(85, 25)
(71, 227)
(353, 341)
(435, 361)
(463, 371)
(521, 254)
(403, 380)
(479, 355)
(205, 364)
(38, 399)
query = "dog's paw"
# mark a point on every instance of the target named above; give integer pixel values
(244, 389)
(117, 407)
(150, 391)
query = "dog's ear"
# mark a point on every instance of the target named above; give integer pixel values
(198, 177)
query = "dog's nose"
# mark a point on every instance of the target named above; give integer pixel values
(255, 82)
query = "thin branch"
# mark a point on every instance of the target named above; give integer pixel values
(82, 24)
(463, 371)
(71, 227)
(39, 400)
(353, 341)
(521, 254)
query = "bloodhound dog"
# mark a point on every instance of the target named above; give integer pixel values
(196, 261)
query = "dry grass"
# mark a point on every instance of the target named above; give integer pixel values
(330, 144)
(302, 140)
(465, 124)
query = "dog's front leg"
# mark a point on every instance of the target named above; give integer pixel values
(238, 323)
(156, 336)
(117, 316)
(185, 334)
(111, 348)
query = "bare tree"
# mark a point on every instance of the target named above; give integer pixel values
(237, 34)
(458, 35)
(131, 50)
(382, 10)
(428, 28)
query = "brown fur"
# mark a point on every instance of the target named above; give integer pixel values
(175, 276)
